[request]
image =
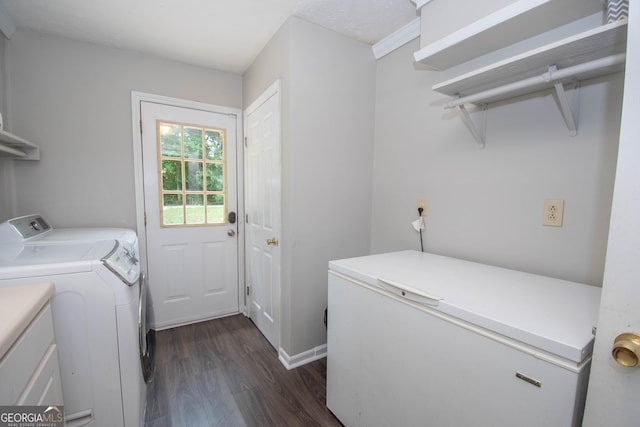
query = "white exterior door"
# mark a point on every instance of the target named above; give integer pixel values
(262, 154)
(612, 399)
(190, 191)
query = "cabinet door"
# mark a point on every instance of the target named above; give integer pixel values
(23, 359)
(45, 387)
(392, 364)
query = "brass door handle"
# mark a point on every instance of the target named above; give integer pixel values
(626, 349)
(272, 241)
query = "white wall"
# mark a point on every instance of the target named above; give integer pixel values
(486, 205)
(328, 98)
(5, 165)
(74, 100)
(333, 81)
(271, 64)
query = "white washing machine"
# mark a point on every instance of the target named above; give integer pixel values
(99, 308)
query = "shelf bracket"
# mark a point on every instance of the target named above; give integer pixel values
(477, 132)
(565, 108)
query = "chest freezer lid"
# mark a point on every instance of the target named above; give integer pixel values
(551, 314)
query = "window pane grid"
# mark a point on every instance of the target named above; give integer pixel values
(192, 164)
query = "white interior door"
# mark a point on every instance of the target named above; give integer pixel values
(612, 399)
(190, 190)
(262, 154)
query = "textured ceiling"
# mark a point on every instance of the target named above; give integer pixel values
(221, 34)
(366, 20)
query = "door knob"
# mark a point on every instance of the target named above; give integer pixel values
(626, 349)
(272, 241)
(231, 233)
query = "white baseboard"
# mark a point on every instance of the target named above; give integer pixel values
(291, 362)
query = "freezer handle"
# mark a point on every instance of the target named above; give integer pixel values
(407, 292)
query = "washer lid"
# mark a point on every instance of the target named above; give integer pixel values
(36, 230)
(20, 260)
(17, 254)
(87, 234)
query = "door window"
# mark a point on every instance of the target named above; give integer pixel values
(192, 162)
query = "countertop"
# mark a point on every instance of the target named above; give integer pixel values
(18, 306)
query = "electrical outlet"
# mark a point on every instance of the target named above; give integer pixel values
(552, 212)
(422, 203)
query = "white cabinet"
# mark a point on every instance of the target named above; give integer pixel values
(29, 370)
(396, 361)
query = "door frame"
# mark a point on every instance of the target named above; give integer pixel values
(275, 89)
(136, 120)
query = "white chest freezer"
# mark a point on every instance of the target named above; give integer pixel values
(418, 339)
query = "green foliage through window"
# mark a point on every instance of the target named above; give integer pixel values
(192, 161)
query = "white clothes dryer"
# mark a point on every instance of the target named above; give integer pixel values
(99, 312)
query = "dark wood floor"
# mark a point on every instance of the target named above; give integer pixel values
(223, 372)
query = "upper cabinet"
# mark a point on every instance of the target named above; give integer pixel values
(14, 147)
(490, 25)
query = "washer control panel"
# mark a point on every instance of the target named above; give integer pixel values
(23, 228)
(123, 263)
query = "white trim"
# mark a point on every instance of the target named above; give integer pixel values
(136, 99)
(191, 321)
(7, 27)
(420, 3)
(397, 39)
(291, 362)
(185, 103)
(268, 93)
